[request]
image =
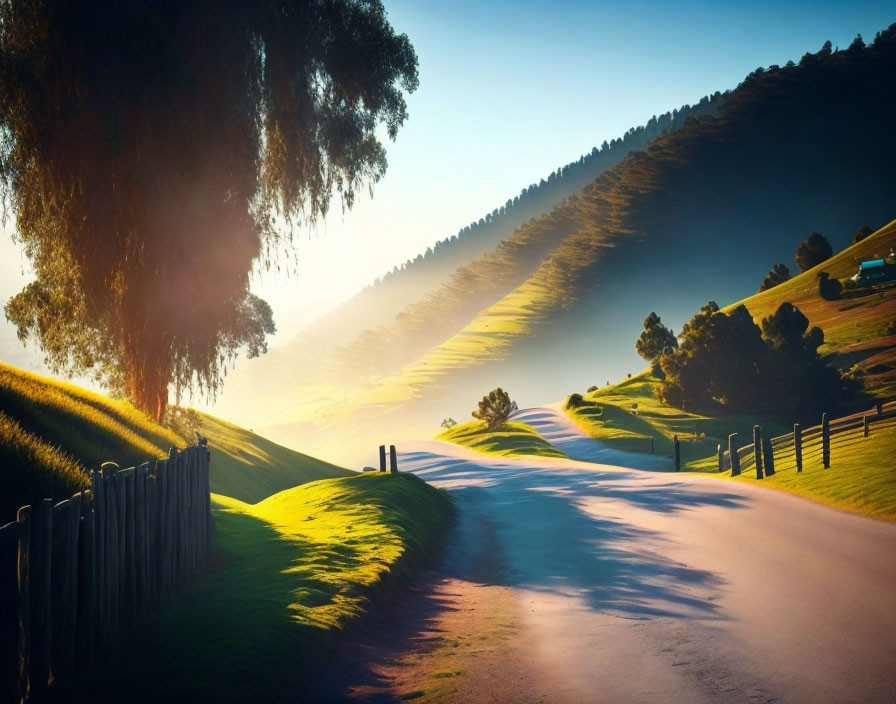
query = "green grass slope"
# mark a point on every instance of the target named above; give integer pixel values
(510, 440)
(54, 434)
(859, 337)
(290, 571)
(248, 467)
(860, 328)
(861, 478)
(631, 416)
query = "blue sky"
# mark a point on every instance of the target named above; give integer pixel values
(510, 91)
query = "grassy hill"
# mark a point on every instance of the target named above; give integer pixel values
(860, 328)
(289, 572)
(702, 213)
(510, 440)
(859, 337)
(52, 434)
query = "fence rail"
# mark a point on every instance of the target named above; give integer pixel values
(77, 576)
(807, 445)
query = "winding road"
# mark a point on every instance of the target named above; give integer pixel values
(572, 581)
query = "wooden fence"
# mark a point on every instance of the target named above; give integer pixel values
(808, 446)
(78, 576)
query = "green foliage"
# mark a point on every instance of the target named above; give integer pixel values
(578, 401)
(725, 362)
(829, 289)
(778, 274)
(863, 232)
(812, 251)
(592, 388)
(494, 408)
(150, 152)
(655, 339)
(448, 423)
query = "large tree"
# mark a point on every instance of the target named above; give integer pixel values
(153, 153)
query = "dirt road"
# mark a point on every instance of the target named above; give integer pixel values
(570, 581)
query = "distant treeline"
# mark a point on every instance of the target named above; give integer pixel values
(540, 197)
(416, 278)
(824, 118)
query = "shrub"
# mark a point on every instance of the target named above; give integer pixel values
(494, 408)
(574, 401)
(812, 251)
(829, 289)
(592, 388)
(863, 232)
(778, 274)
(448, 423)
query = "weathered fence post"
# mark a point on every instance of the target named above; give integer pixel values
(733, 457)
(768, 456)
(721, 458)
(393, 459)
(825, 441)
(676, 453)
(41, 574)
(865, 426)
(382, 458)
(88, 596)
(798, 446)
(24, 587)
(757, 450)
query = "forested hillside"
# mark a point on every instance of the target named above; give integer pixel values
(701, 214)
(419, 278)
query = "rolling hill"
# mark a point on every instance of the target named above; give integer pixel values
(52, 434)
(860, 339)
(702, 213)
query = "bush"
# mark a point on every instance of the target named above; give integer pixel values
(494, 408)
(812, 251)
(778, 274)
(829, 289)
(862, 233)
(574, 401)
(592, 388)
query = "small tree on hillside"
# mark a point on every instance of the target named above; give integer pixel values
(829, 289)
(494, 408)
(778, 274)
(655, 339)
(449, 423)
(862, 233)
(812, 251)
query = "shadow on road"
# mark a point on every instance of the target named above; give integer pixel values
(554, 531)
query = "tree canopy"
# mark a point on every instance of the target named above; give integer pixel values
(863, 232)
(153, 153)
(778, 274)
(726, 361)
(655, 339)
(812, 251)
(494, 408)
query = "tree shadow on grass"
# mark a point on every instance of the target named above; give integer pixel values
(232, 636)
